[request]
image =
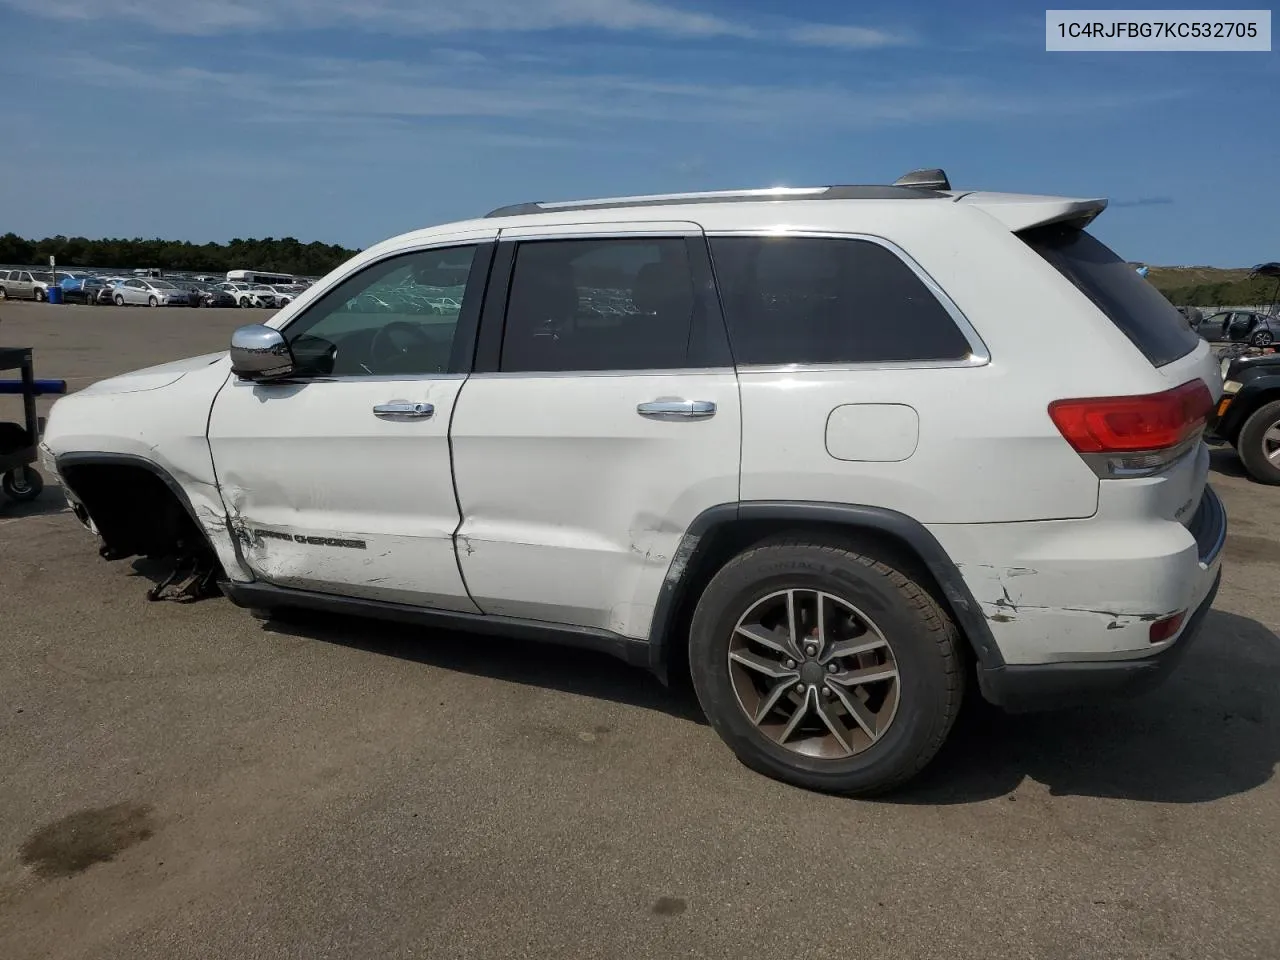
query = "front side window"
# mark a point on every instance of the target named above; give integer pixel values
(815, 300)
(386, 319)
(599, 304)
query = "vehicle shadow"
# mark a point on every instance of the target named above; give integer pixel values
(50, 501)
(1211, 731)
(570, 670)
(1223, 459)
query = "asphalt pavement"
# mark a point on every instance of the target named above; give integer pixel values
(183, 781)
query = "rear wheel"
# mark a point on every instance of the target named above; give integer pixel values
(1259, 443)
(825, 668)
(3, 295)
(1263, 338)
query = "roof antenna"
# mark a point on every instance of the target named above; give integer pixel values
(928, 179)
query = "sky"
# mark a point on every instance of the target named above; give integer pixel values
(349, 121)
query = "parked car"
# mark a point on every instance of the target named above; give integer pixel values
(18, 285)
(145, 291)
(284, 293)
(41, 283)
(206, 294)
(1248, 415)
(795, 471)
(1240, 326)
(86, 290)
(245, 295)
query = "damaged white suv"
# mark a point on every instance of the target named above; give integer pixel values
(835, 451)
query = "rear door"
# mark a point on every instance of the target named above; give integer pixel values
(24, 287)
(602, 418)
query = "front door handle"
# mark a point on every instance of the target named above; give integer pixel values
(401, 410)
(677, 409)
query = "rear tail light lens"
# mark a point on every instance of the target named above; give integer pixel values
(1162, 630)
(1134, 436)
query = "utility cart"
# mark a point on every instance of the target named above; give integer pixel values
(19, 441)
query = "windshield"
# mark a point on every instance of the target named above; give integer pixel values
(1137, 308)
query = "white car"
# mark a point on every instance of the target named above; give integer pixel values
(856, 446)
(249, 295)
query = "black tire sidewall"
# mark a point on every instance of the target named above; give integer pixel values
(924, 696)
(1249, 443)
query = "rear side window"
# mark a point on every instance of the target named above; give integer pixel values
(1137, 308)
(817, 300)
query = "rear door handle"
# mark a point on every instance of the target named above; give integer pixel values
(677, 409)
(401, 410)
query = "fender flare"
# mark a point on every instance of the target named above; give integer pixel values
(956, 593)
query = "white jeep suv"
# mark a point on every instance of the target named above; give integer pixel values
(837, 452)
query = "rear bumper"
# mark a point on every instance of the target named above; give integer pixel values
(1022, 688)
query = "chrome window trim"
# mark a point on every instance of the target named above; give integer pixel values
(455, 240)
(979, 355)
(562, 374)
(598, 230)
(372, 378)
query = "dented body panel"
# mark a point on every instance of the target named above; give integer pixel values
(573, 504)
(323, 495)
(159, 415)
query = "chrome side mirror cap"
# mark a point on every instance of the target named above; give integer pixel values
(259, 352)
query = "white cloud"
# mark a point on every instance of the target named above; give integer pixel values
(198, 17)
(845, 37)
(552, 105)
(401, 16)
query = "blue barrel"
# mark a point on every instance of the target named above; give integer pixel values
(55, 293)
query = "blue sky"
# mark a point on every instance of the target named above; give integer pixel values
(348, 121)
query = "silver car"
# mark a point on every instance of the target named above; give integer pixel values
(17, 285)
(141, 291)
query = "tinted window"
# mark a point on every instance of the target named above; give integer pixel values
(1137, 308)
(388, 319)
(811, 300)
(625, 304)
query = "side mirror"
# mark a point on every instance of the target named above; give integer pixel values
(259, 352)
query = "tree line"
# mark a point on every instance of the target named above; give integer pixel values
(1259, 290)
(284, 255)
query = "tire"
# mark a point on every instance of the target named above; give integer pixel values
(152, 302)
(906, 717)
(40, 295)
(1259, 436)
(1263, 338)
(22, 484)
(3, 295)
(119, 300)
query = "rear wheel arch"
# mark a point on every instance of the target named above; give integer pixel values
(722, 532)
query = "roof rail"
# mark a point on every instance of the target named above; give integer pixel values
(919, 184)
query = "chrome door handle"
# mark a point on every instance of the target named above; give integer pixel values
(399, 410)
(677, 409)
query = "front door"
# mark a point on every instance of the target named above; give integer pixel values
(605, 423)
(339, 481)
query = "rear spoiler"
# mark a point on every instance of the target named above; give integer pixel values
(1019, 211)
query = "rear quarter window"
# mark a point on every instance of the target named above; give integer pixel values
(814, 300)
(1137, 308)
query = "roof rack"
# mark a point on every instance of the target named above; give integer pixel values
(916, 185)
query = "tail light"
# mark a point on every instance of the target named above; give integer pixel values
(1134, 436)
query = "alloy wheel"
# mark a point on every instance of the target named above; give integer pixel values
(1271, 443)
(814, 674)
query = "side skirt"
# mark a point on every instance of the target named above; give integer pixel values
(265, 596)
